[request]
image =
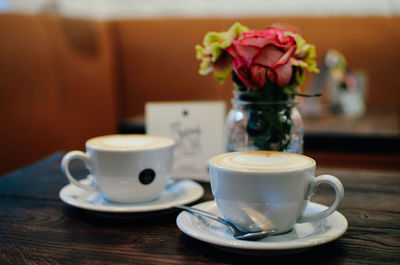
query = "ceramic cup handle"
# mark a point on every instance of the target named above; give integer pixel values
(65, 168)
(339, 190)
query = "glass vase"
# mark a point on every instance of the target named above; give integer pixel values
(256, 124)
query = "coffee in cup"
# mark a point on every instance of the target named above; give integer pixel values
(126, 168)
(263, 190)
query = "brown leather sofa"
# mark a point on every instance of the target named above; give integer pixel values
(57, 86)
(63, 80)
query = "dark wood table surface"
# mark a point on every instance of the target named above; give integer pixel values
(36, 227)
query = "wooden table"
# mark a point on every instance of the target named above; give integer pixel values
(36, 227)
(378, 131)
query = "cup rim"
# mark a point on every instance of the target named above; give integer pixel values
(119, 150)
(261, 172)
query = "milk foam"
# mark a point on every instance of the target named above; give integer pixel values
(262, 161)
(129, 142)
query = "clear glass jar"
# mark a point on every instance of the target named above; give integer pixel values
(264, 125)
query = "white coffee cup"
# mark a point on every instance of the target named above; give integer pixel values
(262, 190)
(126, 168)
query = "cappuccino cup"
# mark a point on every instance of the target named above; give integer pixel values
(263, 190)
(126, 168)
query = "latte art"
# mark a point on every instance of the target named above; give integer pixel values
(262, 161)
(123, 142)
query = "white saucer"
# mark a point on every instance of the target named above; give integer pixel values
(176, 193)
(302, 236)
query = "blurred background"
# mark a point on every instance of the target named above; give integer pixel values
(71, 70)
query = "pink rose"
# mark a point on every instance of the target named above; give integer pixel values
(262, 54)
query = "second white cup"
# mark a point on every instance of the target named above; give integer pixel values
(126, 168)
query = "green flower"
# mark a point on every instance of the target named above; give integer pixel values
(303, 57)
(213, 56)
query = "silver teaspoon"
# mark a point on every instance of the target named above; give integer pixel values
(238, 234)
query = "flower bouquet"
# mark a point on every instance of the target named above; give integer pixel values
(267, 67)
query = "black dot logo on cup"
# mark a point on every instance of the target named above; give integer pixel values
(147, 176)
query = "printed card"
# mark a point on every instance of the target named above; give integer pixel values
(196, 126)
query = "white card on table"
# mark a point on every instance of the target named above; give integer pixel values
(196, 126)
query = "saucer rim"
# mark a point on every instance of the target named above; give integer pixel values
(337, 229)
(151, 206)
